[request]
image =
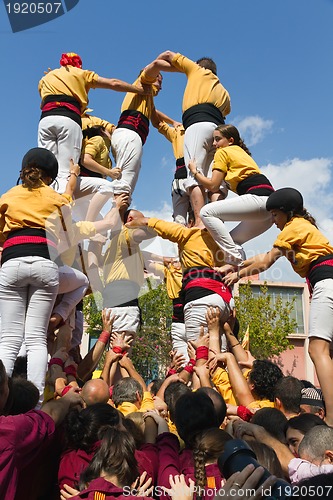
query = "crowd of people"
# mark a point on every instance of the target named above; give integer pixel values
(219, 423)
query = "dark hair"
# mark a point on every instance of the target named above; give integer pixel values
(304, 422)
(273, 420)
(218, 402)
(208, 445)
(82, 428)
(171, 395)
(194, 413)
(207, 63)
(231, 132)
(155, 385)
(20, 367)
(24, 396)
(115, 456)
(264, 375)
(323, 481)
(289, 391)
(93, 131)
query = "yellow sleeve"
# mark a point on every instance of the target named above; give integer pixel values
(220, 161)
(93, 146)
(221, 381)
(85, 229)
(167, 131)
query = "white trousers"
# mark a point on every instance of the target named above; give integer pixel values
(248, 208)
(62, 136)
(127, 150)
(195, 314)
(28, 289)
(180, 199)
(73, 285)
(198, 146)
(321, 310)
(178, 338)
(127, 320)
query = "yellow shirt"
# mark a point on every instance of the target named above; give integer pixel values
(38, 208)
(98, 148)
(173, 280)
(261, 403)
(146, 405)
(90, 121)
(137, 102)
(123, 259)
(196, 246)
(304, 242)
(221, 381)
(236, 164)
(70, 81)
(175, 136)
(202, 86)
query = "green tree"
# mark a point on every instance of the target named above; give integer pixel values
(269, 323)
(150, 353)
(153, 343)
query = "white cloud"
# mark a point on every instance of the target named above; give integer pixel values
(253, 128)
(313, 179)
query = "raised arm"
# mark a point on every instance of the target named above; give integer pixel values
(256, 265)
(118, 85)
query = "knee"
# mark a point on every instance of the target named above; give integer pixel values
(317, 349)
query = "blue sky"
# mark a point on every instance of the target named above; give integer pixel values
(275, 59)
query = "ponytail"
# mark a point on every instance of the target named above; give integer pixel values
(307, 216)
(32, 177)
(199, 458)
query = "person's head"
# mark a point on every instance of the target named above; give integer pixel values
(95, 391)
(228, 135)
(194, 413)
(263, 378)
(24, 396)
(312, 401)
(39, 166)
(218, 402)
(207, 63)
(4, 389)
(131, 214)
(321, 483)
(135, 424)
(71, 59)
(157, 85)
(286, 203)
(266, 457)
(287, 395)
(273, 420)
(83, 427)
(297, 427)
(154, 386)
(96, 130)
(317, 445)
(114, 460)
(208, 446)
(171, 395)
(127, 390)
